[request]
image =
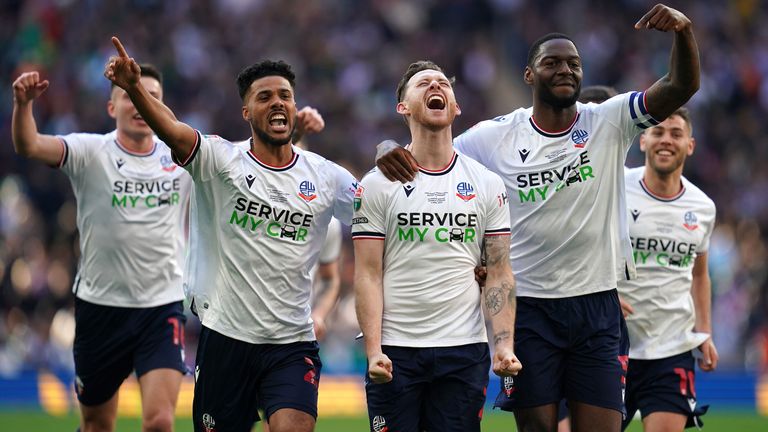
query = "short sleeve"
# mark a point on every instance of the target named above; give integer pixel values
(628, 112)
(480, 141)
(79, 149)
(346, 185)
(369, 204)
(704, 246)
(497, 207)
(332, 246)
(207, 156)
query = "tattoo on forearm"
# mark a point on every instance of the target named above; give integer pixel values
(511, 294)
(496, 249)
(494, 300)
(500, 336)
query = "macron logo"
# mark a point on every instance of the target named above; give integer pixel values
(120, 162)
(635, 214)
(249, 180)
(408, 189)
(524, 154)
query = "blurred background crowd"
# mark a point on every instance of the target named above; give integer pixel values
(349, 56)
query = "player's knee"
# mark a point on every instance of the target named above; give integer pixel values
(158, 422)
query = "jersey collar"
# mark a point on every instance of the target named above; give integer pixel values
(661, 197)
(133, 153)
(265, 165)
(445, 170)
(554, 134)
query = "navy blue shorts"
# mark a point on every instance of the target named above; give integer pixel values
(435, 389)
(571, 348)
(110, 342)
(663, 385)
(233, 379)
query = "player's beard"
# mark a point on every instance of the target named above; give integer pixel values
(668, 168)
(548, 97)
(270, 140)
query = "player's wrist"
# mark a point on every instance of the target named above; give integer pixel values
(22, 103)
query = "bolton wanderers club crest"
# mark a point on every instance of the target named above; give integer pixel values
(580, 138)
(691, 221)
(465, 191)
(307, 191)
(209, 424)
(379, 424)
(167, 163)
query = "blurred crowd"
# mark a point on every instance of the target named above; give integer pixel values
(349, 56)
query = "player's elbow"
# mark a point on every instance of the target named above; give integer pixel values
(24, 148)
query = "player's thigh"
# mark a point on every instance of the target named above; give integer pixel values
(160, 342)
(454, 400)
(541, 337)
(542, 418)
(226, 384)
(101, 417)
(664, 422)
(396, 405)
(159, 393)
(290, 378)
(595, 373)
(291, 420)
(103, 351)
(591, 418)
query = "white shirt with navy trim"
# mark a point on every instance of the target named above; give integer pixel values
(667, 235)
(433, 229)
(131, 211)
(566, 194)
(255, 232)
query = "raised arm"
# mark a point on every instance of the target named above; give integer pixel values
(701, 291)
(500, 301)
(682, 81)
(27, 141)
(369, 305)
(126, 74)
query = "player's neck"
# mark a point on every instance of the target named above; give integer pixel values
(136, 144)
(271, 154)
(552, 119)
(663, 185)
(433, 150)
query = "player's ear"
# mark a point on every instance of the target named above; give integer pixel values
(458, 109)
(642, 141)
(111, 108)
(246, 113)
(528, 75)
(691, 145)
(401, 108)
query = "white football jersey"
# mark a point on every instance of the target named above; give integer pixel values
(667, 234)
(131, 211)
(255, 233)
(566, 194)
(332, 246)
(433, 229)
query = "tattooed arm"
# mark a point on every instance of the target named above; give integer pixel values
(500, 301)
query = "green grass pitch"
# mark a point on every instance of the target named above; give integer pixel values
(18, 421)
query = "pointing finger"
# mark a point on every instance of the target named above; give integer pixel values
(119, 47)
